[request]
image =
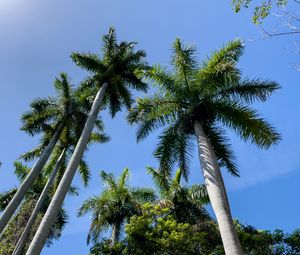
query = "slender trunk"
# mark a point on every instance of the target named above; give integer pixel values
(115, 233)
(217, 193)
(30, 178)
(42, 233)
(20, 245)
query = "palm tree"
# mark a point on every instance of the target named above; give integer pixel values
(14, 229)
(53, 116)
(197, 101)
(186, 202)
(114, 206)
(64, 149)
(112, 76)
(57, 165)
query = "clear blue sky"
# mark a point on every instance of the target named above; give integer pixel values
(37, 38)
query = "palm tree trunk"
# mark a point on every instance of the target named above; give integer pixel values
(42, 233)
(20, 245)
(116, 228)
(217, 193)
(30, 178)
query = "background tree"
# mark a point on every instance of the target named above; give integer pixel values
(196, 101)
(112, 76)
(187, 203)
(114, 206)
(156, 231)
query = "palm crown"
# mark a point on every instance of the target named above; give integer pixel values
(214, 94)
(116, 204)
(119, 67)
(69, 109)
(187, 203)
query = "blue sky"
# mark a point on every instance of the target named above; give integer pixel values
(37, 38)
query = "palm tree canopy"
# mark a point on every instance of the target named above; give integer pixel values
(186, 202)
(68, 108)
(116, 204)
(120, 66)
(212, 93)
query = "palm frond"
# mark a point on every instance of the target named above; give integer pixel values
(90, 62)
(123, 178)
(247, 123)
(183, 58)
(84, 172)
(143, 195)
(249, 91)
(21, 170)
(6, 197)
(161, 181)
(199, 194)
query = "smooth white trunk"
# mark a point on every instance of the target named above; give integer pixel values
(42, 233)
(20, 245)
(30, 178)
(217, 193)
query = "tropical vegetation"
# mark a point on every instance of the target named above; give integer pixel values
(191, 104)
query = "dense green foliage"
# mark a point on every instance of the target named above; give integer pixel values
(156, 231)
(212, 93)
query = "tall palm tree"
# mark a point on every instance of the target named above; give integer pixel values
(114, 206)
(112, 76)
(14, 229)
(53, 115)
(57, 164)
(194, 103)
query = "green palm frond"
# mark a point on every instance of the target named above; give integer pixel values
(84, 172)
(109, 180)
(90, 62)
(21, 170)
(5, 198)
(143, 195)
(165, 150)
(183, 58)
(161, 181)
(249, 91)
(177, 177)
(247, 123)
(123, 178)
(199, 194)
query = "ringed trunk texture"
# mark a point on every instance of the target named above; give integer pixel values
(217, 193)
(30, 178)
(22, 241)
(42, 233)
